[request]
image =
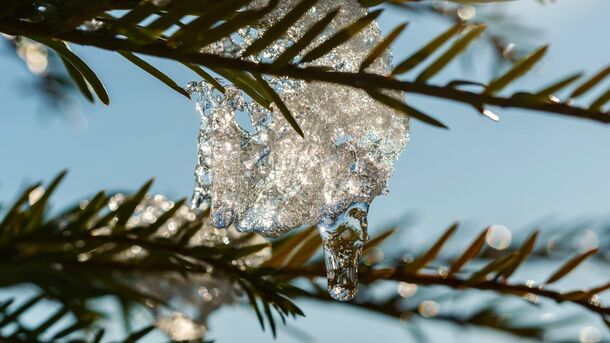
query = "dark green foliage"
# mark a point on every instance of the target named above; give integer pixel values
(79, 65)
(519, 69)
(382, 46)
(427, 50)
(210, 21)
(404, 108)
(71, 263)
(154, 72)
(453, 51)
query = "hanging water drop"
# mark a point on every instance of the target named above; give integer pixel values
(343, 239)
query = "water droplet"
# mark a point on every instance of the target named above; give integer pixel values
(595, 300)
(136, 249)
(531, 297)
(443, 272)
(407, 258)
(44, 10)
(406, 289)
(489, 114)
(205, 294)
(508, 50)
(343, 239)
(115, 201)
(223, 217)
(466, 12)
(35, 195)
(428, 308)
(498, 237)
(160, 3)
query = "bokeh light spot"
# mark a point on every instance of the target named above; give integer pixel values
(499, 237)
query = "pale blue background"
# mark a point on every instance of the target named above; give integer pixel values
(519, 172)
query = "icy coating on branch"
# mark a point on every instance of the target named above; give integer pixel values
(265, 178)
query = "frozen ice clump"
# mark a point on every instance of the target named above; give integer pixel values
(268, 179)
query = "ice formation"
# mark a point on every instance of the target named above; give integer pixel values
(268, 179)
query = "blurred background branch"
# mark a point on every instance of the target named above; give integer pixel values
(96, 249)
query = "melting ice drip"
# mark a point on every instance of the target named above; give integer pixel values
(267, 179)
(343, 239)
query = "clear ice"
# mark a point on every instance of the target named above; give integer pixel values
(258, 175)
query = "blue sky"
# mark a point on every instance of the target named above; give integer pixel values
(526, 170)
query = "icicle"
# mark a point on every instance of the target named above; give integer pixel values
(343, 239)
